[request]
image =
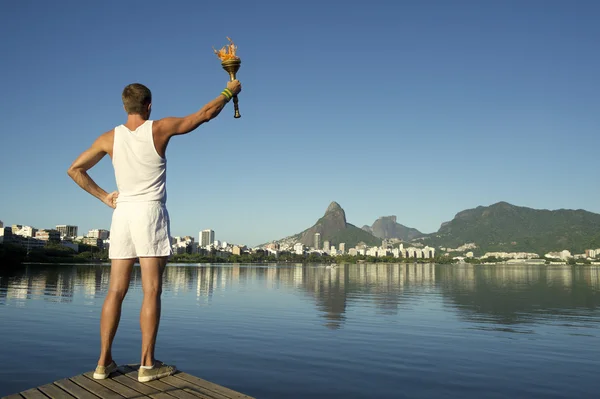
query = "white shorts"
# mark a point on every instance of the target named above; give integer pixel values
(139, 229)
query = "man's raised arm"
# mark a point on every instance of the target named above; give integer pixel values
(164, 128)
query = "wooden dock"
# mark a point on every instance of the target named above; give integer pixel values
(124, 384)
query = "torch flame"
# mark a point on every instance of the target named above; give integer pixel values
(227, 52)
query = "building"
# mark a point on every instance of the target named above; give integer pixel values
(5, 235)
(48, 235)
(23, 231)
(92, 241)
(591, 253)
(99, 233)
(274, 246)
(66, 230)
(317, 240)
(563, 255)
(239, 249)
(299, 248)
(342, 248)
(326, 246)
(207, 237)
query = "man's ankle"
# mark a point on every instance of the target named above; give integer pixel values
(105, 362)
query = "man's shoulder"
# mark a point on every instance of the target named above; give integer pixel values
(106, 139)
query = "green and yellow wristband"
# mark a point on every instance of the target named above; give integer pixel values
(228, 94)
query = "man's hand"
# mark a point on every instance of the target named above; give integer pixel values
(234, 86)
(111, 199)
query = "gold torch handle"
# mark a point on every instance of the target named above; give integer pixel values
(235, 99)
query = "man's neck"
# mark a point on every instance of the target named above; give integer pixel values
(134, 121)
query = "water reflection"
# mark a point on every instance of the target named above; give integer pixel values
(504, 295)
(513, 295)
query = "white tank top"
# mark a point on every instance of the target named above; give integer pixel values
(140, 172)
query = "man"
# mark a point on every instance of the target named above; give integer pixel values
(140, 222)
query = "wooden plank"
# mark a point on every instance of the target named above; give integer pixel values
(54, 392)
(197, 394)
(116, 386)
(193, 388)
(13, 396)
(33, 393)
(134, 384)
(229, 393)
(160, 386)
(74, 389)
(95, 388)
(161, 395)
(178, 393)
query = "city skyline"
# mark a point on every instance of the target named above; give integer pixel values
(212, 234)
(484, 103)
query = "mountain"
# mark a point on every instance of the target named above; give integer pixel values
(334, 228)
(506, 227)
(386, 227)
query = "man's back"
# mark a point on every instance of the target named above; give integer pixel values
(140, 171)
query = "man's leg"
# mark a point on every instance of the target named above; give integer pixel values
(120, 273)
(152, 276)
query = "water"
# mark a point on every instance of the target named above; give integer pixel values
(354, 331)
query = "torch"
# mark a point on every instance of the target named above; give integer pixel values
(230, 63)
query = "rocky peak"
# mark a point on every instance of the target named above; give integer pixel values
(335, 213)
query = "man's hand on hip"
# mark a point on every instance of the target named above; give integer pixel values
(111, 199)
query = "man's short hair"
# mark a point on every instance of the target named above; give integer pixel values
(136, 98)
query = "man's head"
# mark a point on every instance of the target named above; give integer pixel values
(137, 99)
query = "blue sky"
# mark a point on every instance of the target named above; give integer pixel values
(418, 109)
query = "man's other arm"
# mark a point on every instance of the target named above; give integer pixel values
(164, 128)
(90, 157)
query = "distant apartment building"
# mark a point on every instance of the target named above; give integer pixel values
(415, 253)
(326, 246)
(23, 231)
(99, 233)
(66, 230)
(274, 246)
(352, 252)
(372, 251)
(317, 240)
(299, 248)
(563, 255)
(5, 235)
(92, 241)
(342, 248)
(592, 253)
(182, 245)
(207, 237)
(238, 249)
(48, 235)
